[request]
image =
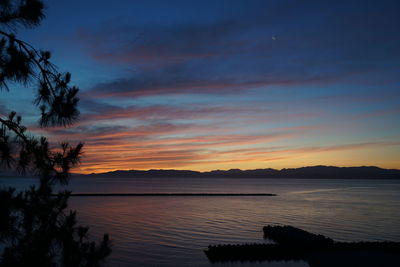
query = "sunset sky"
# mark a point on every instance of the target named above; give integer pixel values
(208, 85)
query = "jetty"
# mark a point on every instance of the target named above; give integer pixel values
(171, 195)
(291, 243)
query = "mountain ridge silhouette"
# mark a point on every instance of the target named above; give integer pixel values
(312, 172)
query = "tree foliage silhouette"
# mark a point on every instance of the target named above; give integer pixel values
(36, 226)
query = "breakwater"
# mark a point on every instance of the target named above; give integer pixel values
(171, 194)
(292, 243)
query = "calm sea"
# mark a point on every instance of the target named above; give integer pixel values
(174, 231)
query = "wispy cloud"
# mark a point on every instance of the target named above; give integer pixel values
(239, 53)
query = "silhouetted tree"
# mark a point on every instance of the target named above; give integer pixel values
(36, 228)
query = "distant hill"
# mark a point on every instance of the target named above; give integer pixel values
(314, 172)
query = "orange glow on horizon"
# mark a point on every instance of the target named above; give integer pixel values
(96, 161)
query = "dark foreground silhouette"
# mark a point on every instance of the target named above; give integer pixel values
(296, 244)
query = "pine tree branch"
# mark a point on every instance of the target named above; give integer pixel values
(28, 49)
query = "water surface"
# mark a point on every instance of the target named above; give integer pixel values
(174, 231)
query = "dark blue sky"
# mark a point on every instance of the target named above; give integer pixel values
(221, 84)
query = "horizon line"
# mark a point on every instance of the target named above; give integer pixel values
(213, 170)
